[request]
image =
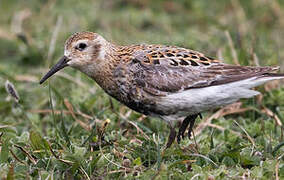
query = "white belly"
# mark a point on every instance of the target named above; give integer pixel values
(197, 100)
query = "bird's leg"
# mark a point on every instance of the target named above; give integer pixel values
(191, 124)
(182, 128)
(200, 115)
(172, 136)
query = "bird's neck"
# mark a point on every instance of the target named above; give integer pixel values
(103, 70)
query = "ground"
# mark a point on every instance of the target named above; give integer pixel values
(69, 128)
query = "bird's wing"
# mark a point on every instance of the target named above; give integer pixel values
(160, 70)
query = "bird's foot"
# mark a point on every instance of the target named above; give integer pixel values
(171, 138)
(182, 129)
(191, 124)
(188, 121)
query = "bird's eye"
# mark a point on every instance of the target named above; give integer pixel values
(81, 46)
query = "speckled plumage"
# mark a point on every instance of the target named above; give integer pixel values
(164, 81)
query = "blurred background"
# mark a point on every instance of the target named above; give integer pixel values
(53, 130)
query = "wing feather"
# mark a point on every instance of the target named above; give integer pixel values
(181, 69)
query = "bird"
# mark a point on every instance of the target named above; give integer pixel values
(169, 82)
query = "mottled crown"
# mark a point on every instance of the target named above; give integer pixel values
(80, 35)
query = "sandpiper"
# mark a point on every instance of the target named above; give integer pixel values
(168, 82)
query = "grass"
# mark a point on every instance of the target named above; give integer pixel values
(69, 128)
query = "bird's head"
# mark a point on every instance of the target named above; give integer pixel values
(84, 51)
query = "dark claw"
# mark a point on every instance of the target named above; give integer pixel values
(178, 138)
(192, 120)
(189, 134)
(182, 129)
(171, 138)
(188, 121)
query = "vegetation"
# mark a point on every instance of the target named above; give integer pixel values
(69, 128)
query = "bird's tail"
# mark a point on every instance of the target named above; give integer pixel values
(267, 77)
(243, 88)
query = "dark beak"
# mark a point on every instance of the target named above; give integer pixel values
(60, 65)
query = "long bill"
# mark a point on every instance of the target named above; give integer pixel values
(60, 65)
